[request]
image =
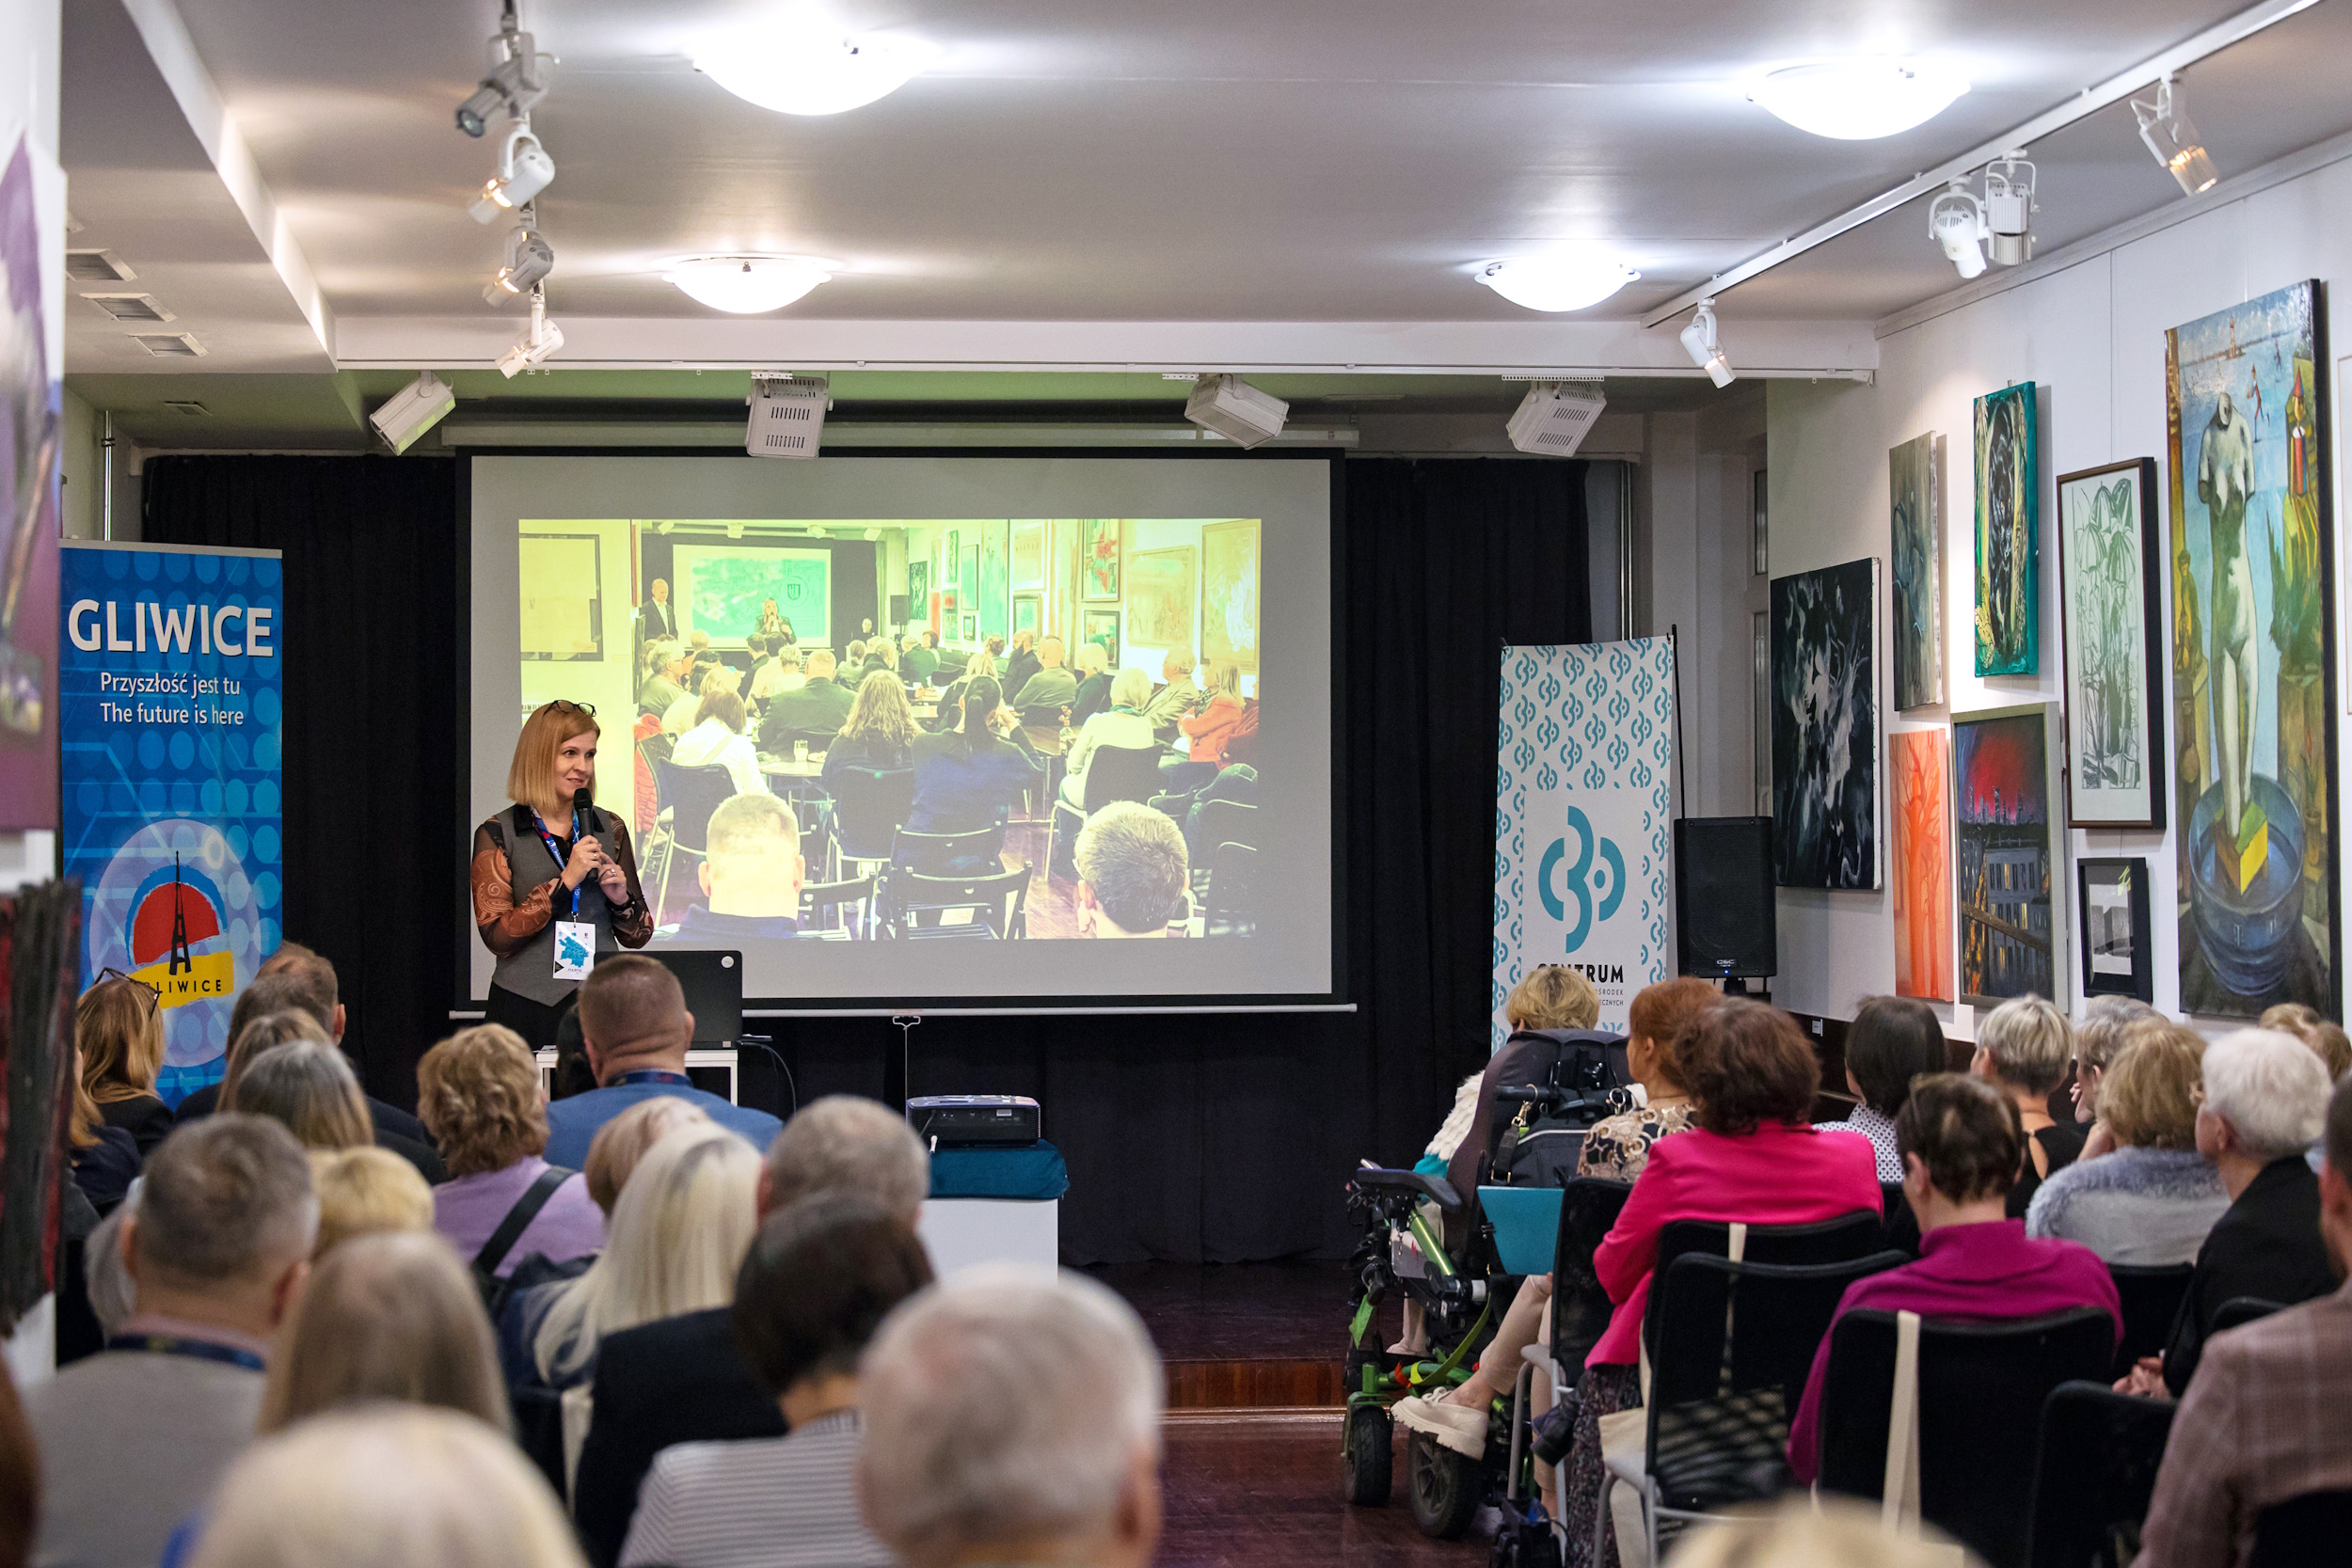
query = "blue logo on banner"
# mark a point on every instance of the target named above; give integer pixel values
(1578, 882)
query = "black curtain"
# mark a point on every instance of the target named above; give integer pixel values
(1189, 1136)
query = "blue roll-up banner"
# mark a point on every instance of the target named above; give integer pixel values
(1583, 816)
(168, 690)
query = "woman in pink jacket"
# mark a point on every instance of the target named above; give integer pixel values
(1219, 710)
(1752, 1157)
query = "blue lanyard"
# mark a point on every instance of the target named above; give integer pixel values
(200, 1349)
(558, 856)
(654, 1075)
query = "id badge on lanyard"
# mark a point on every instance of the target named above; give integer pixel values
(575, 940)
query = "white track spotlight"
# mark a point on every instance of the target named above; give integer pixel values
(788, 416)
(801, 71)
(2171, 135)
(1956, 220)
(416, 408)
(540, 340)
(1569, 282)
(517, 81)
(1553, 418)
(1859, 100)
(746, 285)
(1231, 407)
(524, 170)
(2009, 207)
(1699, 342)
(529, 260)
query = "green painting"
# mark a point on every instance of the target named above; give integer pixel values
(2008, 533)
(995, 582)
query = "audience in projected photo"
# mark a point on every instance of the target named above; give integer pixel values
(1215, 712)
(815, 711)
(1175, 698)
(951, 701)
(1094, 684)
(1020, 663)
(967, 778)
(1122, 725)
(879, 732)
(687, 711)
(665, 665)
(717, 739)
(1052, 687)
(919, 658)
(751, 878)
(1132, 872)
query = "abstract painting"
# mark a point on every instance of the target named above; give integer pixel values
(2108, 603)
(1160, 600)
(918, 583)
(1100, 563)
(1028, 554)
(1228, 582)
(2008, 533)
(2116, 961)
(995, 595)
(1101, 627)
(2003, 788)
(1825, 728)
(968, 583)
(1916, 504)
(1919, 829)
(31, 428)
(1024, 613)
(2254, 770)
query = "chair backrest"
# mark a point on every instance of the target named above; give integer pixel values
(1838, 1240)
(1231, 894)
(1901, 1225)
(820, 902)
(1042, 715)
(2302, 1531)
(1981, 1387)
(690, 793)
(1229, 822)
(1001, 900)
(870, 804)
(2152, 1299)
(1122, 773)
(938, 854)
(2095, 1471)
(1589, 1206)
(2238, 1311)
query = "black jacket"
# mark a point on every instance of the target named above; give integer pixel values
(146, 1119)
(819, 708)
(2266, 1246)
(677, 1380)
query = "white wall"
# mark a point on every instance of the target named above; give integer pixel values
(2091, 337)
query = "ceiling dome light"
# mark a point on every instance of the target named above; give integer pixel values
(1859, 100)
(1556, 282)
(746, 285)
(815, 73)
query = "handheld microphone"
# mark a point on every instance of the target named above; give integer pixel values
(584, 809)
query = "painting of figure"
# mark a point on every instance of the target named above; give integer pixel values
(2253, 657)
(1916, 504)
(2010, 936)
(2008, 535)
(1825, 731)
(1919, 824)
(2107, 607)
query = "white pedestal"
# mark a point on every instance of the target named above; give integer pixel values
(959, 1232)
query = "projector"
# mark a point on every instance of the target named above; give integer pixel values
(1236, 410)
(787, 416)
(963, 1121)
(1552, 420)
(416, 408)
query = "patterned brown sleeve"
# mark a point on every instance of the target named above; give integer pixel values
(635, 930)
(506, 926)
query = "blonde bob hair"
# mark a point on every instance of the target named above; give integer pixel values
(118, 1029)
(530, 777)
(478, 1094)
(365, 1191)
(1553, 996)
(2028, 1042)
(2148, 1095)
(309, 1089)
(387, 1317)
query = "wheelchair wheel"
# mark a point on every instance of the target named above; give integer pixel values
(1446, 1488)
(1367, 1456)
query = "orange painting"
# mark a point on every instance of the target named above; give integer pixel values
(1919, 778)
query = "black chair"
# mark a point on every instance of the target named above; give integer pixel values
(870, 805)
(686, 796)
(2094, 1472)
(946, 854)
(2238, 1311)
(1113, 773)
(997, 906)
(1230, 900)
(1838, 1240)
(2302, 1531)
(1902, 1225)
(2152, 1299)
(821, 903)
(1580, 1309)
(1981, 1388)
(1224, 822)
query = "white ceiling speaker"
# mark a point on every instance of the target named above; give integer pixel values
(788, 415)
(2171, 135)
(416, 408)
(1859, 100)
(541, 339)
(1700, 342)
(806, 72)
(524, 170)
(746, 285)
(1569, 281)
(1234, 409)
(1553, 418)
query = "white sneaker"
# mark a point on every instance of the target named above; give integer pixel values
(1457, 1426)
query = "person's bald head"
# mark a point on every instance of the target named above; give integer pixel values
(820, 664)
(632, 1016)
(1049, 652)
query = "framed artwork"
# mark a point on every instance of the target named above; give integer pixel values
(1228, 593)
(2253, 658)
(1102, 626)
(1825, 729)
(563, 598)
(918, 581)
(1915, 509)
(947, 566)
(1919, 834)
(968, 579)
(2117, 959)
(2008, 533)
(2109, 601)
(1760, 524)
(1161, 604)
(1028, 554)
(971, 627)
(1101, 566)
(1026, 616)
(2007, 886)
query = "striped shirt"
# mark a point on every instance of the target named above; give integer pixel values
(759, 1502)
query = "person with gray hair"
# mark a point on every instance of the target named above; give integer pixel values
(1133, 872)
(1012, 1418)
(1119, 723)
(217, 1251)
(845, 1143)
(666, 663)
(2099, 1038)
(2023, 1047)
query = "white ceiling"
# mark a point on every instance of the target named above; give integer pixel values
(1223, 161)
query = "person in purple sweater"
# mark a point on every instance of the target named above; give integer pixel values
(1961, 1142)
(478, 1092)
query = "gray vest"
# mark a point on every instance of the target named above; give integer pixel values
(529, 971)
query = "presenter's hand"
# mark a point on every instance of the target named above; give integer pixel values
(614, 882)
(586, 856)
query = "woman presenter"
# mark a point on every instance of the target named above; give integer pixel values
(554, 881)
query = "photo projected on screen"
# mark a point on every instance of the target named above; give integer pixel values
(730, 591)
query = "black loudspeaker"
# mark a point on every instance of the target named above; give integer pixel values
(1728, 927)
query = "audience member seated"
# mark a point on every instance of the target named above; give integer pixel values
(950, 713)
(820, 1278)
(853, 661)
(879, 732)
(2325, 1036)
(1752, 1156)
(1012, 1418)
(687, 712)
(619, 1144)
(2268, 1416)
(1216, 711)
(635, 1026)
(666, 663)
(119, 1031)
(684, 1379)
(2265, 1100)
(717, 737)
(1892, 1041)
(819, 707)
(386, 1317)
(1235, 781)
(386, 1486)
(295, 978)
(133, 1440)
(1132, 872)
(2107, 1027)
(2153, 1199)
(1052, 686)
(366, 1192)
(106, 1274)
(1543, 1007)
(1095, 684)
(967, 779)
(920, 660)
(1175, 698)
(1962, 1139)
(1120, 725)
(783, 673)
(307, 1086)
(479, 1091)
(1022, 664)
(2023, 1046)
(881, 654)
(1814, 1532)
(105, 1159)
(678, 1232)
(751, 877)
